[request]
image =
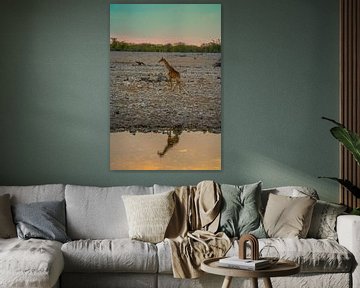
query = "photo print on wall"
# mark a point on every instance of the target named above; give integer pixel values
(165, 86)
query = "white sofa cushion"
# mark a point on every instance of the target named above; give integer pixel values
(313, 255)
(36, 193)
(30, 263)
(164, 257)
(291, 191)
(98, 213)
(163, 188)
(117, 255)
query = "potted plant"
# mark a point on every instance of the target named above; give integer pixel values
(351, 141)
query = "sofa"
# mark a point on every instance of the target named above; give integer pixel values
(100, 253)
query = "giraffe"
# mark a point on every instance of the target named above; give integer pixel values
(173, 74)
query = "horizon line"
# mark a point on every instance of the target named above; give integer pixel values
(217, 41)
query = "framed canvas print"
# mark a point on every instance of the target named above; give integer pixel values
(165, 86)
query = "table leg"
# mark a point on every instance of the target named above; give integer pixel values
(227, 282)
(254, 282)
(267, 283)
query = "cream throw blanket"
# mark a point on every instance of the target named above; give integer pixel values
(191, 231)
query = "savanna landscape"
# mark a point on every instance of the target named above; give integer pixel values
(142, 100)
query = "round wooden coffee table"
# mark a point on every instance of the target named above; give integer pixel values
(281, 268)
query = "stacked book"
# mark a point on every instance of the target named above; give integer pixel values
(248, 264)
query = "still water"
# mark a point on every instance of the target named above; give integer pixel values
(161, 151)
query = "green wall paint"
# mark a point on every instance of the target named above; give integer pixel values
(280, 75)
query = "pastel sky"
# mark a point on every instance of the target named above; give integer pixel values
(165, 23)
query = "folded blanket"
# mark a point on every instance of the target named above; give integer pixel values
(191, 231)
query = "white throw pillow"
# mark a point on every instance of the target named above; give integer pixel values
(149, 215)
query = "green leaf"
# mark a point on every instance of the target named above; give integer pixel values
(347, 184)
(348, 138)
(355, 211)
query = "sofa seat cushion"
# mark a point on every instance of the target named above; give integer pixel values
(30, 263)
(115, 255)
(313, 255)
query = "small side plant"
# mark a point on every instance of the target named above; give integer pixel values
(351, 141)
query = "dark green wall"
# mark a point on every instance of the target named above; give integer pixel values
(280, 75)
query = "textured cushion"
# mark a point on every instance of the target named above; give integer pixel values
(7, 227)
(36, 193)
(313, 255)
(287, 216)
(44, 220)
(117, 255)
(240, 210)
(30, 263)
(323, 222)
(149, 215)
(98, 213)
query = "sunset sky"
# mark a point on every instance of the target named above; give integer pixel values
(165, 23)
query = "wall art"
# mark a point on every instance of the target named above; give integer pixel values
(165, 86)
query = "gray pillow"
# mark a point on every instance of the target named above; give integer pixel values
(7, 227)
(44, 220)
(240, 210)
(323, 222)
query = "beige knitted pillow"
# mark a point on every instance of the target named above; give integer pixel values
(288, 217)
(149, 215)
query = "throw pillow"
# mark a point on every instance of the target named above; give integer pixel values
(44, 220)
(288, 217)
(323, 222)
(7, 226)
(240, 210)
(149, 215)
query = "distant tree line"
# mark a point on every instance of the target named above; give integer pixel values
(211, 47)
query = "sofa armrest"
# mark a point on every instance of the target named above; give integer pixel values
(348, 230)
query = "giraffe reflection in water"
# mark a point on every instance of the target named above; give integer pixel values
(172, 140)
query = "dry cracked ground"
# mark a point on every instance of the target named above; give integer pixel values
(141, 99)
